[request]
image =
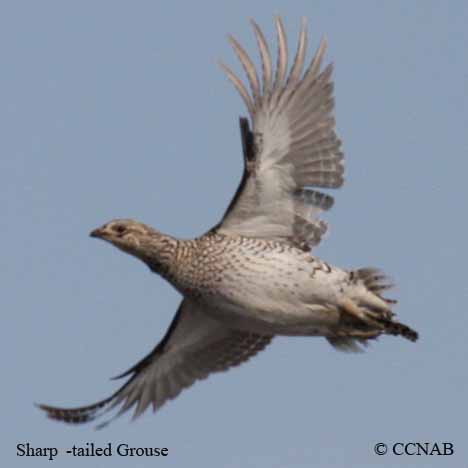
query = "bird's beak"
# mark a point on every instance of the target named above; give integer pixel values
(99, 232)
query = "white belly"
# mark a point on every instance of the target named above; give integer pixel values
(278, 293)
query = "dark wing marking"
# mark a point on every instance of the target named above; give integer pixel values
(249, 158)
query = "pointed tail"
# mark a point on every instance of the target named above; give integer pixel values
(369, 306)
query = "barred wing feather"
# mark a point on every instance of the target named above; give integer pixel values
(292, 145)
(194, 347)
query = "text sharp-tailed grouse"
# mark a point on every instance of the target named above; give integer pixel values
(252, 276)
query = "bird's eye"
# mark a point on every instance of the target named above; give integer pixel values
(119, 229)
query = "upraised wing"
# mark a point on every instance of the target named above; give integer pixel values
(292, 146)
(193, 347)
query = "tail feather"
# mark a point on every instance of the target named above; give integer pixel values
(366, 314)
(347, 344)
(392, 327)
(375, 281)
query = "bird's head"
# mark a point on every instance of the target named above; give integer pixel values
(141, 241)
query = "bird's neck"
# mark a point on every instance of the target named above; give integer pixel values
(159, 253)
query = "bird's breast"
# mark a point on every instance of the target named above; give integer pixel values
(253, 280)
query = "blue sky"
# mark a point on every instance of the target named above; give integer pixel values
(118, 109)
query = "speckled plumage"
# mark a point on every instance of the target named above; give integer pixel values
(256, 284)
(252, 276)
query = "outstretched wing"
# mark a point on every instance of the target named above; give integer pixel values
(193, 347)
(293, 145)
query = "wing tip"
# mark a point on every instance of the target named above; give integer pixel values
(60, 414)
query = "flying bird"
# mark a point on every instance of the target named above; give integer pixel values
(252, 276)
